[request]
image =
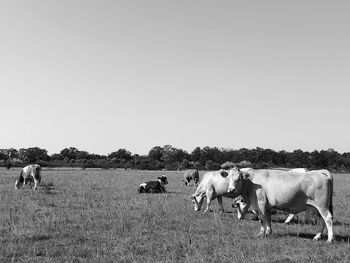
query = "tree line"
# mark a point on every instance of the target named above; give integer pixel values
(170, 158)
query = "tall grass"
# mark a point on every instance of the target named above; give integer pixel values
(98, 216)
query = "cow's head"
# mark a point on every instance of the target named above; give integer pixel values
(236, 178)
(163, 179)
(197, 201)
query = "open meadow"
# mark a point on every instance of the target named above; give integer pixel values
(97, 215)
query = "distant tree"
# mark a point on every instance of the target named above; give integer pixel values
(34, 154)
(3, 156)
(69, 154)
(227, 165)
(172, 157)
(121, 156)
(56, 157)
(211, 165)
(156, 153)
(185, 164)
(196, 154)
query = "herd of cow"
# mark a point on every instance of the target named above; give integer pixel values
(292, 191)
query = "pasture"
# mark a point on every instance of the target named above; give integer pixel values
(98, 216)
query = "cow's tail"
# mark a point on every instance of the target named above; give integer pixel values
(331, 198)
(329, 175)
(37, 173)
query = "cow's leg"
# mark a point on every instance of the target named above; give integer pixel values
(209, 194)
(268, 229)
(289, 218)
(328, 220)
(35, 184)
(221, 209)
(262, 209)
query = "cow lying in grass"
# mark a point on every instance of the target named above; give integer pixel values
(154, 186)
(27, 175)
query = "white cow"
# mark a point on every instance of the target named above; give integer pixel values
(242, 207)
(213, 185)
(293, 192)
(27, 174)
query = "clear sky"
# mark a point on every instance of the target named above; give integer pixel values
(103, 75)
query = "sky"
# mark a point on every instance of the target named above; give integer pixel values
(104, 75)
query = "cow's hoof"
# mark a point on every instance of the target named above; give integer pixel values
(261, 234)
(268, 233)
(317, 237)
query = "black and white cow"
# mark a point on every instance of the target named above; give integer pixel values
(28, 174)
(154, 186)
(191, 175)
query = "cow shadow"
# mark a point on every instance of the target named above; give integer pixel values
(39, 238)
(337, 238)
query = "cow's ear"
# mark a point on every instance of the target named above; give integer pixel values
(223, 173)
(243, 176)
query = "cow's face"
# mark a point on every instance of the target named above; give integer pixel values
(234, 176)
(242, 207)
(197, 201)
(163, 179)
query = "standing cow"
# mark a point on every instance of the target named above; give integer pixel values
(191, 175)
(293, 192)
(242, 207)
(28, 174)
(154, 186)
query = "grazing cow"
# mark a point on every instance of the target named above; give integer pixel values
(293, 192)
(28, 174)
(213, 185)
(190, 175)
(154, 186)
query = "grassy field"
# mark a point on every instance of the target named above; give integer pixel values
(98, 216)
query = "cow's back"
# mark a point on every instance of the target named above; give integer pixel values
(215, 181)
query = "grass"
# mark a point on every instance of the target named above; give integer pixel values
(98, 216)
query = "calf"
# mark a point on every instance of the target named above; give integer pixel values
(154, 186)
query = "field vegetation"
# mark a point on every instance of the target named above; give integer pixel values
(94, 215)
